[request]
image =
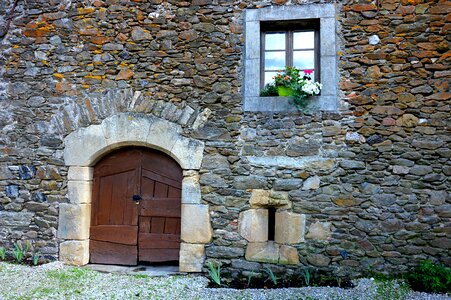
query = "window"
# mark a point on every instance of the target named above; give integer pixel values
(294, 35)
(289, 44)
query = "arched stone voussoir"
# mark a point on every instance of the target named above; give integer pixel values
(85, 146)
(82, 146)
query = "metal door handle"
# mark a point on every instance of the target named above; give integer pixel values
(136, 198)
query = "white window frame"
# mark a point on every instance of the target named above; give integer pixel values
(326, 13)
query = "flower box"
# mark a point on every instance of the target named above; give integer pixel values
(285, 91)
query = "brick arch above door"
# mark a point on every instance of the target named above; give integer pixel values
(87, 145)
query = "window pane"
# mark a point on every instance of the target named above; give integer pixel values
(269, 76)
(275, 41)
(275, 60)
(304, 59)
(304, 40)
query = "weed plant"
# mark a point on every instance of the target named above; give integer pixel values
(35, 258)
(271, 275)
(307, 276)
(2, 253)
(215, 273)
(19, 251)
(430, 277)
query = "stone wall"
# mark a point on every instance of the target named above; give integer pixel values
(371, 179)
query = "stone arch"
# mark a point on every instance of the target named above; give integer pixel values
(86, 145)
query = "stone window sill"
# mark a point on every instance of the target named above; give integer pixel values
(285, 104)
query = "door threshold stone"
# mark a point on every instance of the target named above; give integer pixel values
(136, 270)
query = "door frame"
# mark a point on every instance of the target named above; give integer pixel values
(87, 145)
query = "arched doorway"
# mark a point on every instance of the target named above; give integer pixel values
(85, 146)
(136, 208)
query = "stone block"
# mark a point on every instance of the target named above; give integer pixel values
(84, 145)
(290, 227)
(79, 192)
(311, 183)
(288, 255)
(311, 164)
(191, 189)
(318, 260)
(122, 128)
(253, 225)
(189, 153)
(319, 231)
(196, 226)
(263, 252)
(74, 221)
(267, 198)
(163, 135)
(74, 253)
(251, 89)
(224, 252)
(18, 220)
(328, 34)
(80, 173)
(192, 257)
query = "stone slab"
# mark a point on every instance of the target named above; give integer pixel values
(80, 173)
(319, 231)
(253, 225)
(263, 252)
(122, 128)
(288, 255)
(192, 257)
(267, 198)
(189, 153)
(310, 163)
(79, 192)
(163, 135)
(196, 225)
(290, 227)
(74, 221)
(191, 193)
(74, 253)
(83, 146)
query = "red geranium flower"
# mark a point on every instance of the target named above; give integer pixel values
(308, 72)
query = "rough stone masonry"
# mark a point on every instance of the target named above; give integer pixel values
(367, 185)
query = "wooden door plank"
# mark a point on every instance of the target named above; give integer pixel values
(159, 255)
(147, 187)
(174, 192)
(161, 207)
(144, 224)
(153, 240)
(170, 226)
(104, 200)
(131, 209)
(162, 164)
(160, 178)
(95, 202)
(115, 234)
(117, 162)
(111, 253)
(118, 198)
(161, 190)
(157, 225)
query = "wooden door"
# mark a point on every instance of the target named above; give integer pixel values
(123, 231)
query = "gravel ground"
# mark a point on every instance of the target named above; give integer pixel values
(56, 281)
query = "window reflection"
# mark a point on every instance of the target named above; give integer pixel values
(304, 40)
(275, 41)
(304, 59)
(275, 60)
